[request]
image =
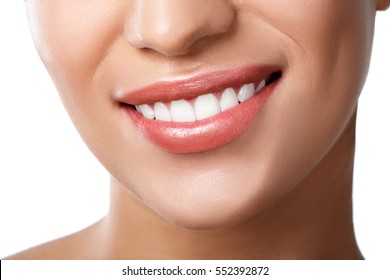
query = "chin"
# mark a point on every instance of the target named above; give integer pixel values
(205, 218)
(221, 206)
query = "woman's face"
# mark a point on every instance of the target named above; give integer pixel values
(106, 57)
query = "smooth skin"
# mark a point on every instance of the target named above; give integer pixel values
(280, 191)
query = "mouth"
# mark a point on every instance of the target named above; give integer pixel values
(203, 112)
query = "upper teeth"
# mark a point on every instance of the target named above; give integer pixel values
(205, 106)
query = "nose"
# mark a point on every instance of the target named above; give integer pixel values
(176, 27)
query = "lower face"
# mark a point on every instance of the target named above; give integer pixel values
(313, 56)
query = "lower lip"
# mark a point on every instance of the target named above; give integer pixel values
(204, 135)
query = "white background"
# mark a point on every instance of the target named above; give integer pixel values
(51, 185)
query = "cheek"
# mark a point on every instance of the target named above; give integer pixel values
(322, 30)
(335, 44)
(328, 46)
(72, 37)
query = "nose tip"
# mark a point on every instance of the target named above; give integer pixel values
(175, 27)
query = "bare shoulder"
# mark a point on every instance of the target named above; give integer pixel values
(62, 248)
(74, 246)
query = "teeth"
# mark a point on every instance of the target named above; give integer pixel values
(246, 92)
(161, 112)
(261, 86)
(228, 99)
(206, 106)
(146, 111)
(182, 111)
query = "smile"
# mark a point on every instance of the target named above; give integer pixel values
(203, 112)
(203, 107)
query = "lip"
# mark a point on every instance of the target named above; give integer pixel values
(207, 134)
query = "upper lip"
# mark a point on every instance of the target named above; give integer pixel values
(169, 90)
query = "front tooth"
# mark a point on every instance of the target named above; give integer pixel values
(161, 112)
(228, 99)
(146, 111)
(261, 86)
(206, 106)
(182, 111)
(246, 92)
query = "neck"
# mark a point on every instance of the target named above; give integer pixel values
(314, 221)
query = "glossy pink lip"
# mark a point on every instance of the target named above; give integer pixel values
(207, 134)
